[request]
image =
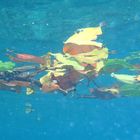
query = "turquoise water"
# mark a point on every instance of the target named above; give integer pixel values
(39, 26)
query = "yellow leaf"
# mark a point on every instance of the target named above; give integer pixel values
(86, 36)
(125, 78)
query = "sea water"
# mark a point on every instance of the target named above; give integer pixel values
(41, 26)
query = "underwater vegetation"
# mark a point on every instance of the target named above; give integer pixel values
(82, 57)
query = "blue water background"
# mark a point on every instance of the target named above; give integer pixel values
(39, 26)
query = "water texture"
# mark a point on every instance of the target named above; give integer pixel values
(39, 26)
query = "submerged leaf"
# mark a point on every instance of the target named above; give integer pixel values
(113, 65)
(68, 61)
(4, 66)
(86, 36)
(125, 78)
(130, 89)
